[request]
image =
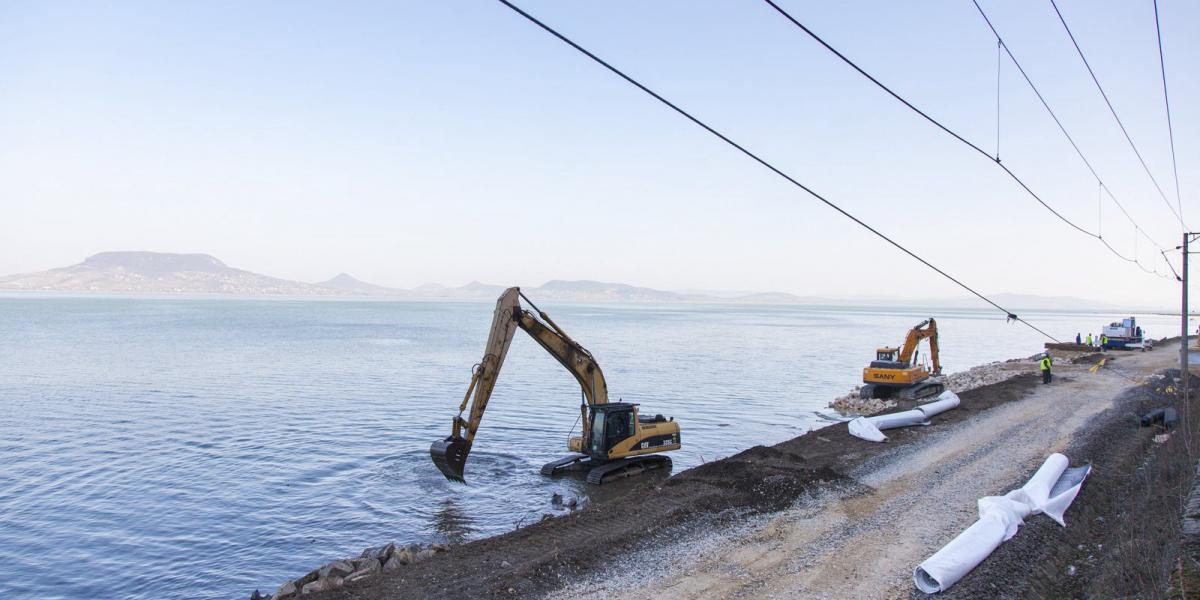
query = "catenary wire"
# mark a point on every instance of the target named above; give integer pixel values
(1000, 43)
(1162, 65)
(1114, 114)
(1061, 127)
(960, 138)
(1009, 314)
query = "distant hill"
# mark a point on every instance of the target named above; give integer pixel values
(346, 283)
(166, 273)
(592, 291)
(156, 272)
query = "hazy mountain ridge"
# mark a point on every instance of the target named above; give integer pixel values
(344, 282)
(166, 273)
(156, 272)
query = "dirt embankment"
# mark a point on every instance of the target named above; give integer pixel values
(829, 515)
(862, 537)
(544, 556)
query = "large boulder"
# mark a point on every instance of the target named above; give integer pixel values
(337, 568)
(367, 564)
(385, 553)
(323, 584)
(366, 568)
(380, 553)
(287, 590)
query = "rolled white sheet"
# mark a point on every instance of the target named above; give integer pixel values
(871, 428)
(1051, 490)
(945, 401)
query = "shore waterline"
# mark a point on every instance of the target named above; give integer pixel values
(212, 446)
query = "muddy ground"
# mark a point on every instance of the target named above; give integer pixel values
(542, 557)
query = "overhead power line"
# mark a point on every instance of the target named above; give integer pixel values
(1063, 129)
(1009, 314)
(995, 160)
(1162, 65)
(1115, 117)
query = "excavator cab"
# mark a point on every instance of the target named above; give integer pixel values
(618, 443)
(611, 424)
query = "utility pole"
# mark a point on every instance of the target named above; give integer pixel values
(1183, 324)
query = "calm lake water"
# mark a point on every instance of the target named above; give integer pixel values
(156, 448)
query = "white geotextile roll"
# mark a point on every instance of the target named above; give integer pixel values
(871, 428)
(1037, 491)
(1051, 490)
(945, 401)
(963, 553)
(864, 429)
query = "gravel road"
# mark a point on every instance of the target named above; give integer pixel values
(862, 537)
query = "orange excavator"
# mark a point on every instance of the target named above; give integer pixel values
(904, 376)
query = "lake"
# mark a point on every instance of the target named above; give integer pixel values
(162, 447)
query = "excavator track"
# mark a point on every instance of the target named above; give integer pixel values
(626, 467)
(574, 462)
(603, 472)
(921, 390)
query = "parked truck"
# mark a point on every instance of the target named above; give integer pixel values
(1125, 335)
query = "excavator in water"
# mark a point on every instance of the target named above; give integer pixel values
(904, 376)
(615, 440)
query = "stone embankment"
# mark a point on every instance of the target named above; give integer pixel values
(975, 377)
(370, 562)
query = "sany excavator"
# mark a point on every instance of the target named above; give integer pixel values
(615, 441)
(905, 377)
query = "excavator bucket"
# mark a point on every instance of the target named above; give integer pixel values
(450, 456)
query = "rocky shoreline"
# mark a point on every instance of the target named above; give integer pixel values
(962, 381)
(391, 557)
(373, 560)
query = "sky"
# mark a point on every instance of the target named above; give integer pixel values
(414, 142)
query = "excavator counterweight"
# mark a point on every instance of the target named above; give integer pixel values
(614, 442)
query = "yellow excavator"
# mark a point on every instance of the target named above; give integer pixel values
(904, 376)
(615, 440)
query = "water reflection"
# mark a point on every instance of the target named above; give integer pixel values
(452, 522)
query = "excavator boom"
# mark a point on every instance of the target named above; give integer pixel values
(450, 454)
(926, 329)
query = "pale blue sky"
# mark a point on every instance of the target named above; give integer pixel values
(451, 141)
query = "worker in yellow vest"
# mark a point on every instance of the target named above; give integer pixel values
(1089, 339)
(1045, 364)
(1103, 342)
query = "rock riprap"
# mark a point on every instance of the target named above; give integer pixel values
(338, 573)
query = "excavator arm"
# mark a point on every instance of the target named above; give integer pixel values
(926, 329)
(450, 454)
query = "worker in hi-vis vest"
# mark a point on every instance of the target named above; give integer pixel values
(1045, 363)
(1089, 339)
